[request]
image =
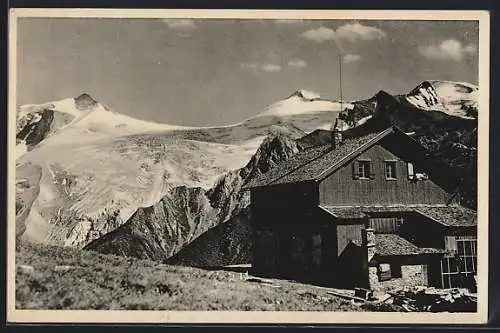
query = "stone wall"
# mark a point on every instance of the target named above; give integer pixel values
(411, 275)
(414, 275)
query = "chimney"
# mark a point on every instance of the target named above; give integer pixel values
(336, 135)
(368, 242)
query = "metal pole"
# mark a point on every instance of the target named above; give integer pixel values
(340, 82)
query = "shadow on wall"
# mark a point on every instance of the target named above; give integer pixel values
(350, 269)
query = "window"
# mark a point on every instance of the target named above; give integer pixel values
(390, 169)
(364, 169)
(461, 261)
(387, 271)
(384, 272)
(396, 270)
(383, 225)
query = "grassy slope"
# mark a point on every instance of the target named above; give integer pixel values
(95, 281)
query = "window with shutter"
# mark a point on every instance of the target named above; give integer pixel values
(364, 169)
(370, 168)
(390, 170)
(411, 174)
(355, 174)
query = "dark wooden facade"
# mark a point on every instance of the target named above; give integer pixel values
(342, 188)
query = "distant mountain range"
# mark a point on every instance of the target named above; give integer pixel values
(108, 182)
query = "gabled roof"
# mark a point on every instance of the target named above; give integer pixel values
(449, 216)
(395, 245)
(313, 163)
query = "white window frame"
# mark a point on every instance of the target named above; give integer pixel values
(388, 163)
(470, 241)
(366, 170)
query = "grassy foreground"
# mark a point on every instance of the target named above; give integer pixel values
(50, 277)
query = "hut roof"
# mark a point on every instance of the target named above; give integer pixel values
(395, 245)
(312, 163)
(450, 216)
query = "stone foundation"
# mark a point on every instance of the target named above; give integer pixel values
(411, 275)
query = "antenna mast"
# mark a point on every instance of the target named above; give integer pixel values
(340, 83)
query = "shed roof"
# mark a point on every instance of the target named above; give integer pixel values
(450, 216)
(395, 245)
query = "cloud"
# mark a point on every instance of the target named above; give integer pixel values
(180, 24)
(270, 68)
(297, 63)
(449, 49)
(352, 32)
(351, 58)
(355, 31)
(319, 35)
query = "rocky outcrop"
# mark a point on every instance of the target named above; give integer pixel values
(228, 243)
(158, 231)
(35, 127)
(85, 102)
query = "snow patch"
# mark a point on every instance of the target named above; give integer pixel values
(21, 149)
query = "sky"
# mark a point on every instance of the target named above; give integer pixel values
(201, 72)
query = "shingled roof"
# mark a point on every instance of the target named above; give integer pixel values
(291, 164)
(395, 245)
(312, 163)
(354, 212)
(450, 216)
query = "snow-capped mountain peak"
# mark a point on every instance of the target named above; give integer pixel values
(303, 102)
(74, 119)
(305, 95)
(85, 102)
(454, 98)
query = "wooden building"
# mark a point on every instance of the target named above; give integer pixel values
(365, 212)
